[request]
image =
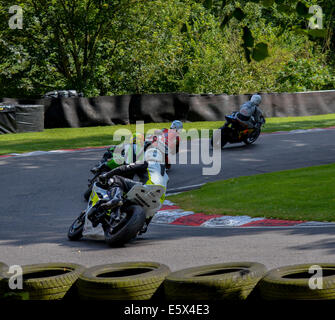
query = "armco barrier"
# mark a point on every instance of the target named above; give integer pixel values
(123, 109)
(148, 280)
(214, 107)
(84, 112)
(159, 107)
(21, 118)
(29, 118)
(7, 119)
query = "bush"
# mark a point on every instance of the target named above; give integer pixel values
(305, 74)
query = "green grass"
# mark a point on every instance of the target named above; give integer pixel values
(62, 138)
(303, 123)
(302, 194)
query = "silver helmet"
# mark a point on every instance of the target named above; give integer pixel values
(256, 99)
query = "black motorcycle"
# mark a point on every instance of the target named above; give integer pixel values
(234, 131)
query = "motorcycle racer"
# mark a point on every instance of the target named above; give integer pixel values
(168, 140)
(120, 180)
(135, 149)
(130, 151)
(250, 114)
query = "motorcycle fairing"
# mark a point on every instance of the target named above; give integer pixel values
(147, 196)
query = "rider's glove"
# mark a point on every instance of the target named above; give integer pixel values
(94, 170)
(103, 178)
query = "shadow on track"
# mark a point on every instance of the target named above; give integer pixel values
(163, 234)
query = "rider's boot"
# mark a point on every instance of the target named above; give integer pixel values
(91, 215)
(145, 226)
(116, 199)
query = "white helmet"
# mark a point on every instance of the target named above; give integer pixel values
(256, 99)
(153, 154)
(176, 124)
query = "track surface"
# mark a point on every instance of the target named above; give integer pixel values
(41, 195)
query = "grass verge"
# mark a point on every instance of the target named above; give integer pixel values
(63, 138)
(302, 194)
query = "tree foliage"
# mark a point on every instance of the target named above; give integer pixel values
(111, 47)
(288, 14)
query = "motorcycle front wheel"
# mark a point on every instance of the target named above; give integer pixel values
(253, 137)
(128, 228)
(76, 229)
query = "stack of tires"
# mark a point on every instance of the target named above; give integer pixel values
(299, 282)
(122, 281)
(56, 281)
(154, 281)
(49, 281)
(226, 281)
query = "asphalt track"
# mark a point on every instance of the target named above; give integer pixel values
(41, 195)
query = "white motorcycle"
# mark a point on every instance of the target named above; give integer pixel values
(122, 223)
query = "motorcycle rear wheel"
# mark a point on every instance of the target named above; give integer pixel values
(76, 229)
(128, 229)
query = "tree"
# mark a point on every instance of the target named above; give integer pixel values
(285, 9)
(66, 42)
(117, 47)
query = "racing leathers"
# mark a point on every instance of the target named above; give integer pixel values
(172, 139)
(168, 142)
(250, 114)
(116, 156)
(123, 178)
